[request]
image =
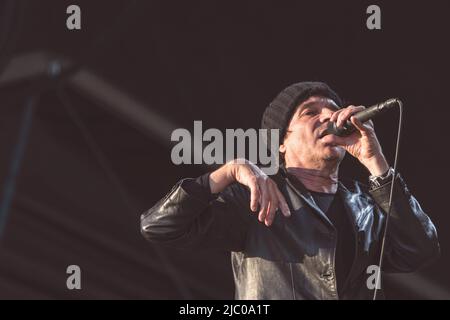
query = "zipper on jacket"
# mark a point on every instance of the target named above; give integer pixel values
(334, 263)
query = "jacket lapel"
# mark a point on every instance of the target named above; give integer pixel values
(307, 198)
(357, 206)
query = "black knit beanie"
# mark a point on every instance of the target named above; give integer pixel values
(279, 113)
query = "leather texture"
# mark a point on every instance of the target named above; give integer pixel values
(294, 258)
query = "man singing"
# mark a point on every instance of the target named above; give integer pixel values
(301, 234)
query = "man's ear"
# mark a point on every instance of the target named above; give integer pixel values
(282, 148)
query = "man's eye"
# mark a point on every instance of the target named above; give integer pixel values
(310, 113)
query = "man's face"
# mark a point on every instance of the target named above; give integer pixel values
(302, 144)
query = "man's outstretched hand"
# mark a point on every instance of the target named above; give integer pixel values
(265, 197)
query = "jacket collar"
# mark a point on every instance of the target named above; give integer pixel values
(355, 201)
(304, 194)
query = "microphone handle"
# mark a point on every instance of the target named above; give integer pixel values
(363, 116)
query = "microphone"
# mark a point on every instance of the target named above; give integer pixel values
(363, 116)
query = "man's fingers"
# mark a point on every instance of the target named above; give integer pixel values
(342, 117)
(346, 114)
(273, 205)
(335, 115)
(270, 213)
(254, 195)
(360, 126)
(283, 204)
(264, 201)
(265, 192)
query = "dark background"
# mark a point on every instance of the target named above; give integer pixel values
(81, 187)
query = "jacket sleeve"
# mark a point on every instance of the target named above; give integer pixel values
(411, 241)
(189, 217)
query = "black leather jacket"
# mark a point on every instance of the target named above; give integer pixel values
(294, 258)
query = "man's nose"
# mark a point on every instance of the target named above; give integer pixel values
(325, 116)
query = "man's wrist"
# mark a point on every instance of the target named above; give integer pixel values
(380, 180)
(377, 166)
(221, 178)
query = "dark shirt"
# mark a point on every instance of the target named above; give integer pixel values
(333, 207)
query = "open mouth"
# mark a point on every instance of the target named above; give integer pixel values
(323, 134)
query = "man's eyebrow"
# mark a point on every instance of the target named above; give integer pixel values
(308, 105)
(312, 104)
